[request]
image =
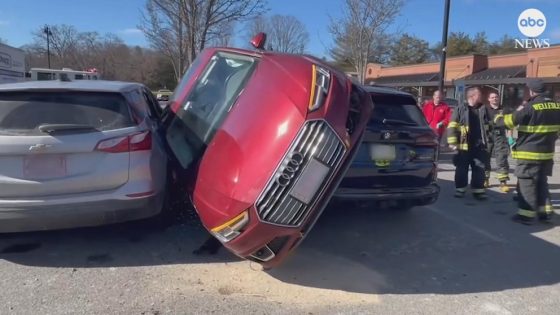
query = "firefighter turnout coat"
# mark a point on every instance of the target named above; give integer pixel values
(538, 124)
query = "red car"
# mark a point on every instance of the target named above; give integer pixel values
(267, 138)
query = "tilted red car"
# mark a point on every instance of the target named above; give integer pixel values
(267, 138)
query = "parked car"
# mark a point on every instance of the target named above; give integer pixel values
(264, 138)
(80, 153)
(163, 95)
(396, 164)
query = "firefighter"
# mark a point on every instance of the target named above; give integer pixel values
(538, 124)
(468, 134)
(498, 144)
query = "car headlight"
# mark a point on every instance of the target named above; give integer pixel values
(320, 84)
(232, 228)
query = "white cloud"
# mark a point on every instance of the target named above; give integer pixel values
(130, 32)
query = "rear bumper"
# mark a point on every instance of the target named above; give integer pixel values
(426, 192)
(25, 216)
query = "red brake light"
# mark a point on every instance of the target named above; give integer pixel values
(141, 141)
(135, 142)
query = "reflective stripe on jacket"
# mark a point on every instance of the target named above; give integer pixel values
(458, 128)
(538, 124)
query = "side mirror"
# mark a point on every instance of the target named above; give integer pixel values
(259, 40)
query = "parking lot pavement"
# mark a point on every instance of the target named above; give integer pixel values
(452, 257)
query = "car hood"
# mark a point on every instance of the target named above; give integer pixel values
(253, 139)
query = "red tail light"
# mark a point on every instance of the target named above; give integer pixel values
(135, 142)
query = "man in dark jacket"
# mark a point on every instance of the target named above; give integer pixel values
(538, 124)
(498, 144)
(468, 133)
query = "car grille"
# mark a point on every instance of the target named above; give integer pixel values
(316, 140)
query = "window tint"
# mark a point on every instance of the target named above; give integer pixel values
(396, 107)
(24, 112)
(79, 77)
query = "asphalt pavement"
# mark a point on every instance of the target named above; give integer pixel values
(457, 256)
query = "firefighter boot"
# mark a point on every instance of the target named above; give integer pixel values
(504, 187)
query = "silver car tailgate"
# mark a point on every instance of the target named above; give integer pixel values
(55, 165)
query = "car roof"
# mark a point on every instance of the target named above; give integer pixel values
(78, 85)
(385, 90)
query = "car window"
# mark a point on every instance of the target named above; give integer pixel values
(397, 108)
(203, 110)
(22, 113)
(153, 104)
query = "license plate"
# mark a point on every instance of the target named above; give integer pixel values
(310, 181)
(44, 166)
(382, 152)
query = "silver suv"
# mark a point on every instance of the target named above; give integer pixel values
(79, 153)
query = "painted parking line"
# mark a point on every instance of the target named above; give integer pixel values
(467, 225)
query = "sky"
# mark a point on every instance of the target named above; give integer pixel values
(422, 18)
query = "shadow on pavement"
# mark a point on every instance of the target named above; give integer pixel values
(454, 246)
(149, 242)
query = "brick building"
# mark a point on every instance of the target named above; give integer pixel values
(506, 74)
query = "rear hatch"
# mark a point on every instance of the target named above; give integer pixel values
(399, 149)
(55, 142)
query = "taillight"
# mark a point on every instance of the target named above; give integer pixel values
(141, 141)
(135, 142)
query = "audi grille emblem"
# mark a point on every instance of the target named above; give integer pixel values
(387, 136)
(290, 170)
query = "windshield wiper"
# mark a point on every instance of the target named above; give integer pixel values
(397, 122)
(53, 128)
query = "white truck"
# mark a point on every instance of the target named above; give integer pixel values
(12, 64)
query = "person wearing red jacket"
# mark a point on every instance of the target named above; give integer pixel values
(437, 114)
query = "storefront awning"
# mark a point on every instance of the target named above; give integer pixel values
(501, 75)
(419, 79)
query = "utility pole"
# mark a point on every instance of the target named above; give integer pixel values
(47, 31)
(444, 46)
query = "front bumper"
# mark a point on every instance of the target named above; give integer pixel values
(269, 244)
(406, 193)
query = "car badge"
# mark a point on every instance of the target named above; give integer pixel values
(39, 147)
(387, 135)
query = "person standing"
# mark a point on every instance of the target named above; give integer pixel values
(437, 114)
(498, 144)
(468, 134)
(537, 126)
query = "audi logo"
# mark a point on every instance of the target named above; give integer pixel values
(290, 170)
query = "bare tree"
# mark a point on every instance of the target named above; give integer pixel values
(180, 29)
(226, 31)
(359, 33)
(285, 33)
(64, 42)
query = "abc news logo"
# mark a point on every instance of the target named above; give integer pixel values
(532, 23)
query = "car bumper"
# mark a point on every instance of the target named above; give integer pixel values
(268, 244)
(32, 215)
(427, 192)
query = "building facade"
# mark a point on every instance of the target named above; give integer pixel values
(506, 74)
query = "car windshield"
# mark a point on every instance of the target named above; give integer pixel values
(396, 110)
(206, 106)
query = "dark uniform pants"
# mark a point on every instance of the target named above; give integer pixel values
(499, 149)
(476, 159)
(534, 195)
